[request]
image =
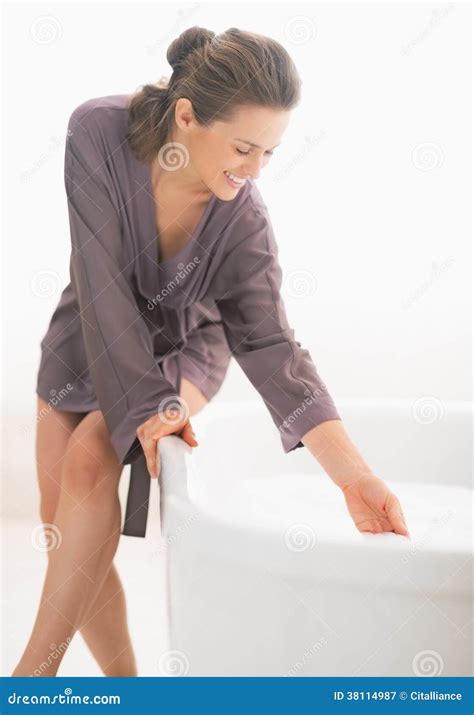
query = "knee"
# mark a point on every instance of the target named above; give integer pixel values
(89, 469)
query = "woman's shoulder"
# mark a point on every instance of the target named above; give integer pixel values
(99, 124)
(96, 142)
(100, 109)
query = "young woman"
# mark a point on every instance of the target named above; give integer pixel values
(174, 268)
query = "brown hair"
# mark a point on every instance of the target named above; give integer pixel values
(217, 73)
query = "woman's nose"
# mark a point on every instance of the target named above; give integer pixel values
(253, 167)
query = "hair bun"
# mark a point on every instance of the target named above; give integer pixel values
(191, 39)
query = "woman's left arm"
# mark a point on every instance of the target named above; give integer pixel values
(371, 504)
(247, 291)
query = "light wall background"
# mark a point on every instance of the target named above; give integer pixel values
(369, 194)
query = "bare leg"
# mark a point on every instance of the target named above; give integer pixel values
(88, 520)
(105, 630)
(107, 619)
(104, 626)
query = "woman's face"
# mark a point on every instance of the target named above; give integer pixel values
(241, 147)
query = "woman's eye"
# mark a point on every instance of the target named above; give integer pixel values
(246, 153)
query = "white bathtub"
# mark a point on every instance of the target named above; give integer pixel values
(267, 574)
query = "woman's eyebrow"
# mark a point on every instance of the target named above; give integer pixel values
(255, 145)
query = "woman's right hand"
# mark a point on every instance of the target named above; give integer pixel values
(171, 421)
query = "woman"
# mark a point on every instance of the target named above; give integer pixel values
(174, 268)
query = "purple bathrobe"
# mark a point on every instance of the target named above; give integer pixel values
(128, 326)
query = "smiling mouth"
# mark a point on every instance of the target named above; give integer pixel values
(235, 180)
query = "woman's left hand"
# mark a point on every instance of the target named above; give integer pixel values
(373, 507)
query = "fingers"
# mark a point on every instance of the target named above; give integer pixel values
(399, 526)
(165, 423)
(149, 435)
(395, 515)
(151, 453)
(380, 525)
(373, 525)
(188, 435)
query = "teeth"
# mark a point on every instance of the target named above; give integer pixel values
(235, 178)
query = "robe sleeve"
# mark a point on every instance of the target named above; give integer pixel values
(247, 293)
(128, 382)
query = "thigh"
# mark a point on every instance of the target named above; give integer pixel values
(192, 396)
(53, 429)
(183, 365)
(91, 469)
(75, 453)
(90, 452)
